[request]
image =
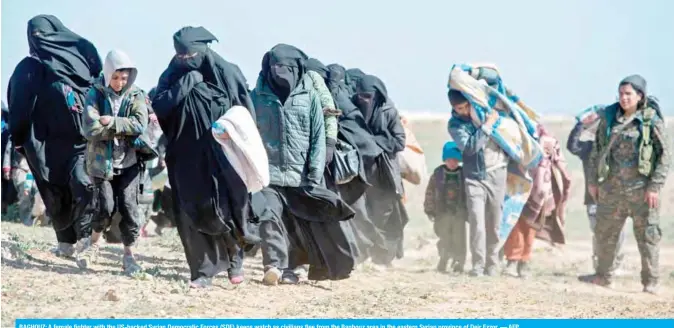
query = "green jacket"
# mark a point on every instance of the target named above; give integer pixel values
(293, 133)
(130, 122)
(330, 112)
(618, 165)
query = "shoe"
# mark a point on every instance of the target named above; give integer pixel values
(87, 256)
(511, 269)
(289, 278)
(272, 276)
(129, 265)
(201, 282)
(476, 273)
(491, 271)
(457, 267)
(596, 280)
(64, 250)
(651, 288)
(523, 269)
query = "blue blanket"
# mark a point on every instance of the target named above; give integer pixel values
(515, 132)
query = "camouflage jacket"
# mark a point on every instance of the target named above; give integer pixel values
(445, 194)
(130, 122)
(620, 151)
(330, 113)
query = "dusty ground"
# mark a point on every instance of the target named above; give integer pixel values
(37, 284)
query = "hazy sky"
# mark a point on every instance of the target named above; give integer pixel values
(560, 56)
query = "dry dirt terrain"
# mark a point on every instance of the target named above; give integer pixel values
(37, 284)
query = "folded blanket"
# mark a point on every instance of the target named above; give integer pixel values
(515, 132)
(240, 139)
(590, 119)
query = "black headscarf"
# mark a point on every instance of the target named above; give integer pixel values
(315, 65)
(336, 75)
(282, 68)
(370, 94)
(353, 75)
(193, 41)
(71, 57)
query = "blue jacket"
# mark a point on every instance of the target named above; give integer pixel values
(471, 140)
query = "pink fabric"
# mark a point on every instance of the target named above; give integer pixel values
(545, 208)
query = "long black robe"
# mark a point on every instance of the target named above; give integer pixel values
(384, 199)
(210, 201)
(46, 98)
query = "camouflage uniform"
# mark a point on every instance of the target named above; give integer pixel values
(622, 193)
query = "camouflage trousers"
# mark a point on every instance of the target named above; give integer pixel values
(613, 209)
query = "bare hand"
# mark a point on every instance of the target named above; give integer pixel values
(6, 174)
(224, 135)
(594, 192)
(105, 120)
(590, 118)
(652, 199)
(492, 117)
(153, 118)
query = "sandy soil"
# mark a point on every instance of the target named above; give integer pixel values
(37, 284)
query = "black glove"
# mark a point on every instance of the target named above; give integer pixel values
(330, 145)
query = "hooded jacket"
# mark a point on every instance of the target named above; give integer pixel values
(112, 146)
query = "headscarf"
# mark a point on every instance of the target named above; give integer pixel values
(451, 151)
(72, 58)
(370, 94)
(191, 41)
(315, 65)
(353, 75)
(282, 68)
(637, 82)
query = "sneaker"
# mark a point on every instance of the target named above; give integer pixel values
(491, 271)
(596, 280)
(289, 278)
(271, 277)
(442, 264)
(651, 288)
(523, 269)
(129, 265)
(477, 273)
(511, 269)
(87, 256)
(201, 282)
(302, 272)
(64, 250)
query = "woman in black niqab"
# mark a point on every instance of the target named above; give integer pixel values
(283, 67)
(210, 201)
(46, 96)
(384, 198)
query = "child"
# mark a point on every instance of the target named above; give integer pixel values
(445, 205)
(115, 116)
